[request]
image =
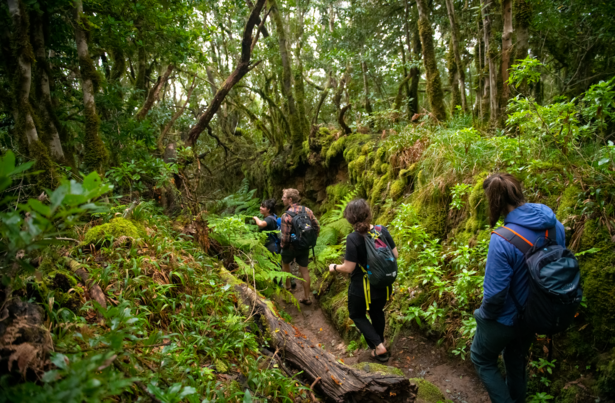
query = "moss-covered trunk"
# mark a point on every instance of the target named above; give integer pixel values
(95, 151)
(49, 121)
(299, 85)
(453, 79)
(460, 76)
(490, 55)
(507, 49)
(435, 95)
(366, 103)
(296, 135)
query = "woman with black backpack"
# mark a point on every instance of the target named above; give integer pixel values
(361, 296)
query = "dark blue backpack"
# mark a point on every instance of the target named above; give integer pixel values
(275, 236)
(555, 283)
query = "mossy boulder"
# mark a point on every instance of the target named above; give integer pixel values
(428, 392)
(115, 228)
(373, 368)
(397, 188)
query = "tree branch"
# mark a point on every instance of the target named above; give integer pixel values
(243, 67)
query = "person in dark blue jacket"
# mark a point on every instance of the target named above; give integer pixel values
(506, 277)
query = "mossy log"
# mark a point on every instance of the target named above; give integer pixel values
(338, 382)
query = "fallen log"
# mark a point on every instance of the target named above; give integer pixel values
(338, 382)
(94, 289)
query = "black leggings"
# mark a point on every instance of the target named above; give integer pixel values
(372, 331)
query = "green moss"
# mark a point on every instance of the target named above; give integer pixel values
(384, 168)
(434, 220)
(397, 188)
(374, 368)
(334, 150)
(598, 274)
(381, 154)
(116, 228)
(606, 379)
(378, 189)
(428, 392)
(567, 202)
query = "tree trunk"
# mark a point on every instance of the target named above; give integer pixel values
(414, 70)
(366, 103)
(405, 79)
(522, 13)
(337, 97)
(153, 94)
(340, 119)
(507, 48)
(450, 8)
(323, 96)
(400, 89)
(45, 107)
(337, 382)
(296, 134)
(24, 122)
(95, 151)
(434, 84)
(299, 86)
(490, 82)
(453, 78)
(243, 67)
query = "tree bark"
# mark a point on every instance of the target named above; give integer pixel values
(299, 86)
(434, 83)
(453, 78)
(340, 119)
(338, 382)
(153, 94)
(45, 106)
(400, 89)
(450, 8)
(24, 121)
(95, 151)
(414, 70)
(507, 48)
(243, 67)
(490, 81)
(337, 97)
(366, 103)
(296, 133)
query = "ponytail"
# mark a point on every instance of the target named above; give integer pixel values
(502, 190)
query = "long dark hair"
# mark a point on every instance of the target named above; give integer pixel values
(359, 215)
(269, 204)
(502, 190)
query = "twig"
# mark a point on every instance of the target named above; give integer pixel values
(312, 389)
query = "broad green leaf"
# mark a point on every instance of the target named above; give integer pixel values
(39, 207)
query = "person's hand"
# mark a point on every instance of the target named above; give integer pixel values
(255, 218)
(331, 268)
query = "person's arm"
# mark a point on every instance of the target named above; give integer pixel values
(390, 242)
(285, 230)
(498, 274)
(347, 267)
(259, 222)
(395, 253)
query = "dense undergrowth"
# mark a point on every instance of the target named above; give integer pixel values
(171, 331)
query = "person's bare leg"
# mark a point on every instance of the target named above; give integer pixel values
(286, 268)
(307, 289)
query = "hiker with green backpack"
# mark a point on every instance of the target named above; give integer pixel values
(531, 285)
(371, 261)
(298, 234)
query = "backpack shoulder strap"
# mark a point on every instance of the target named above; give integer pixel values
(551, 235)
(514, 238)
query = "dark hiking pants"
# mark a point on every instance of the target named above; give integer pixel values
(372, 331)
(492, 339)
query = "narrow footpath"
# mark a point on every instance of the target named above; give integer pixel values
(411, 352)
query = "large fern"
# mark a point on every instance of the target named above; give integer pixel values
(338, 213)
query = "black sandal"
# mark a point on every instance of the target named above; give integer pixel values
(381, 357)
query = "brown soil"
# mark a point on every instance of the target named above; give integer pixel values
(415, 354)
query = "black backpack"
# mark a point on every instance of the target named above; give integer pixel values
(381, 267)
(555, 283)
(305, 235)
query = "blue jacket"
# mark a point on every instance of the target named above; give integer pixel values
(506, 270)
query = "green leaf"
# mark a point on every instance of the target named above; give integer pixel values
(60, 361)
(92, 181)
(188, 390)
(247, 397)
(39, 207)
(589, 251)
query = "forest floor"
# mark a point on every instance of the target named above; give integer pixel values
(416, 355)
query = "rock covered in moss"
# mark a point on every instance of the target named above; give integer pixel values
(567, 202)
(115, 228)
(428, 392)
(397, 188)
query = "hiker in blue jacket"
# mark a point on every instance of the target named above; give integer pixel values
(507, 278)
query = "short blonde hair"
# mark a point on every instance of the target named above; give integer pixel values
(292, 194)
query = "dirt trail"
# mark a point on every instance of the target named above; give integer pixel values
(416, 355)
